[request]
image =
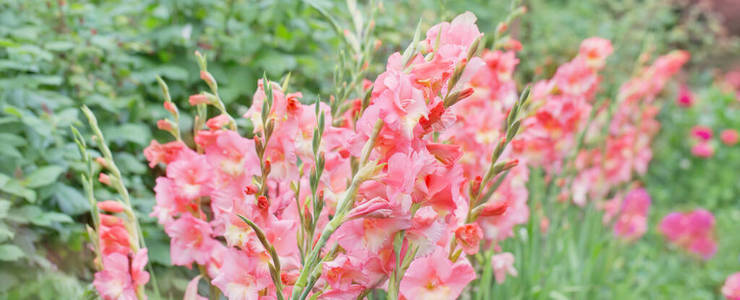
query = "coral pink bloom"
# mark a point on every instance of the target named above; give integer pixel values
(138, 275)
(191, 176)
(631, 223)
(576, 78)
(232, 154)
(703, 150)
(595, 50)
(729, 137)
(685, 97)
(731, 288)
(157, 153)
(191, 292)
(702, 133)
(218, 121)
(454, 37)
(114, 281)
(502, 265)
(114, 239)
(436, 277)
(341, 272)
(191, 241)
(241, 278)
(469, 236)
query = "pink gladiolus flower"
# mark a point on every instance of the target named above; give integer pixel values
(502, 265)
(729, 137)
(191, 241)
(114, 281)
(469, 236)
(595, 50)
(436, 277)
(191, 292)
(191, 176)
(731, 288)
(157, 153)
(702, 133)
(703, 150)
(693, 231)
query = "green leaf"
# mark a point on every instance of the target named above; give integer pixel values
(70, 200)
(44, 176)
(15, 187)
(10, 252)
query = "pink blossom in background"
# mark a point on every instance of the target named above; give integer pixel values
(701, 133)
(631, 222)
(703, 150)
(692, 231)
(503, 264)
(731, 288)
(685, 97)
(729, 137)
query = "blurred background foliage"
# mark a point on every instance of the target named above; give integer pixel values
(56, 56)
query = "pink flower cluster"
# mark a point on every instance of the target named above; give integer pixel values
(479, 124)
(563, 105)
(626, 150)
(692, 231)
(731, 289)
(630, 212)
(702, 140)
(398, 179)
(122, 274)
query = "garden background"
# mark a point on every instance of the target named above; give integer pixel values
(56, 56)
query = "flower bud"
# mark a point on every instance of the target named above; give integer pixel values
(263, 203)
(165, 125)
(170, 107)
(218, 121)
(207, 77)
(104, 179)
(250, 189)
(495, 208)
(469, 236)
(198, 99)
(111, 206)
(101, 161)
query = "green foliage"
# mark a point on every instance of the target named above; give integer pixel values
(683, 180)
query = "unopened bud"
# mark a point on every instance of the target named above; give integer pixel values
(198, 99)
(104, 179)
(458, 96)
(263, 203)
(101, 161)
(207, 77)
(268, 166)
(501, 27)
(111, 206)
(250, 189)
(170, 107)
(496, 208)
(165, 125)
